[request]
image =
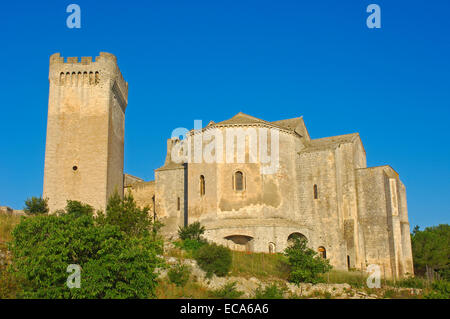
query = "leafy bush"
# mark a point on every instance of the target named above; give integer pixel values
(190, 245)
(179, 274)
(113, 265)
(305, 265)
(193, 231)
(36, 206)
(228, 291)
(440, 290)
(214, 259)
(270, 292)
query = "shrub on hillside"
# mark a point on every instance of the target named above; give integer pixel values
(36, 206)
(272, 291)
(228, 291)
(440, 290)
(192, 231)
(305, 265)
(214, 259)
(190, 245)
(179, 275)
(113, 264)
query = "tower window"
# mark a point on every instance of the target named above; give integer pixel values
(202, 185)
(238, 181)
(178, 203)
(75, 167)
(154, 207)
(316, 195)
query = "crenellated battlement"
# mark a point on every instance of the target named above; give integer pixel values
(88, 71)
(104, 56)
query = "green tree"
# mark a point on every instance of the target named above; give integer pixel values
(305, 265)
(36, 206)
(192, 231)
(113, 265)
(132, 220)
(431, 247)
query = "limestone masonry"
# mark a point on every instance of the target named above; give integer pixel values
(351, 214)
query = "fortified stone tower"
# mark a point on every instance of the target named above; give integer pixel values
(85, 130)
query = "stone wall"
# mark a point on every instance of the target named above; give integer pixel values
(9, 211)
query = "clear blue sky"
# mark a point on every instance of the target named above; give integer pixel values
(208, 60)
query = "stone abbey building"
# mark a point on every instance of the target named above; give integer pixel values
(256, 195)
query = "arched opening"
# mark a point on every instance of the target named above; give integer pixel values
(202, 185)
(316, 195)
(238, 181)
(292, 237)
(322, 252)
(272, 248)
(239, 242)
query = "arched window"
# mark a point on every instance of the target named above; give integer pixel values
(316, 195)
(271, 248)
(322, 252)
(202, 185)
(238, 181)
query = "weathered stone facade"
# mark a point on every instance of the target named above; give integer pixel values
(354, 215)
(320, 188)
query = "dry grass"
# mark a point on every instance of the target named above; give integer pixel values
(8, 284)
(353, 278)
(259, 265)
(7, 224)
(192, 290)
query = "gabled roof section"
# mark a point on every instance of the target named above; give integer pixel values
(296, 124)
(242, 118)
(332, 142)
